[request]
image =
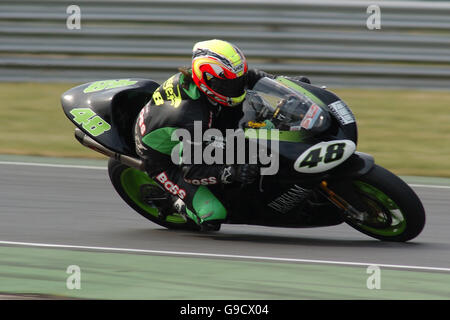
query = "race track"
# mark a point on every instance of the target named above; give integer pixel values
(57, 217)
(78, 206)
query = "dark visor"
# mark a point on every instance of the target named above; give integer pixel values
(228, 87)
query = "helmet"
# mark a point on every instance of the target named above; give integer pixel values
(219, 69)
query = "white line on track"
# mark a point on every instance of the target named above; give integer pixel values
(429, 186)
(104, 168)
(216, 255)
(36, 164)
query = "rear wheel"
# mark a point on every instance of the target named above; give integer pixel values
(128, 181)
(393, 211)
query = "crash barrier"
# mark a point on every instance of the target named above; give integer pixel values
(340, 43)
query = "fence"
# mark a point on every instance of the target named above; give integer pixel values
(326, 40)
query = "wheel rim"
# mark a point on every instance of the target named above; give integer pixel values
(131, 180)
(382, 207)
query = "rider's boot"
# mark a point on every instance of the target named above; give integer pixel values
(155, 196)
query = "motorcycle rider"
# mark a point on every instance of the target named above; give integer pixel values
(211, 91)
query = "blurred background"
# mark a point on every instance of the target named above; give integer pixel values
(396, 78)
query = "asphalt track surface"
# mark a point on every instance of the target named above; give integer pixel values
(73, 206)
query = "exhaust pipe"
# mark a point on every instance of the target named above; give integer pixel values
(87, 141)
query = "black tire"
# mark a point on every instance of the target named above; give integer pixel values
(127, 181)
(394, 198)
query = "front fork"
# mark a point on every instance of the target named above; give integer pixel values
(349, 212)
(357, 165)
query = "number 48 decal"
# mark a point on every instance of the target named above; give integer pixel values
(324, 156)
(90, 121)
(334, 152)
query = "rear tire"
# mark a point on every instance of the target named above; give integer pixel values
(399, 213)
(127, 182)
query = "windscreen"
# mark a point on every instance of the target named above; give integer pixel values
(285, 108)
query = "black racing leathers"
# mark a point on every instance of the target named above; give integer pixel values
(178, 104)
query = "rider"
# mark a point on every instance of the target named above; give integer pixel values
(212, 91)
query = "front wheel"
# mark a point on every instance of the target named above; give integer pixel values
(393, 211)
(128, 181)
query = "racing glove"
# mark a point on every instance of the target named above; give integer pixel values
(243, 173)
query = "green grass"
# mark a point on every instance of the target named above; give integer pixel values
(32, 121)
(408, 131)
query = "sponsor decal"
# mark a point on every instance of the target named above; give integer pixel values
(227, 175)
(108, 84)
(203, 181)
(342, 112)
(290, 199)
(171, 186)
(141, 124)
(157, 98)
(256, 125)
(239, 68)
(311, 117)
(175, 99)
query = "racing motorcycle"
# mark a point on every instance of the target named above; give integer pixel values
(321, 179)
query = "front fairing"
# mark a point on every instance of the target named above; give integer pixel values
(343, 124)
(336, 130)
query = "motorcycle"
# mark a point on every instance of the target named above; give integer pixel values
(321, 180)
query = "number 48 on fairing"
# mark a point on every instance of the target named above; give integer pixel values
(90, 121)
(324, 156)
(334, 152)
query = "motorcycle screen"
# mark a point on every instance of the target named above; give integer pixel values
(286, 108)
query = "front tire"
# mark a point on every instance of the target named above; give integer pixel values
(395, 211)
(127, 182)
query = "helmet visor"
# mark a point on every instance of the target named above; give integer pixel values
(228, 87)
